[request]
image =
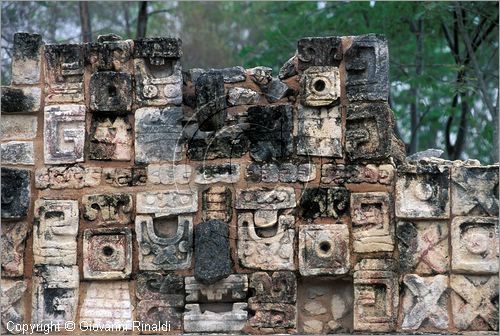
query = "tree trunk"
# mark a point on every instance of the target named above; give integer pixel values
(142, 20)
(126, 17)
(417, 29)
(85, 22)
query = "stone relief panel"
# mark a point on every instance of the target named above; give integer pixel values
(14, 236)
(169, 174)
(125, 177)
(12, 305)
(211, 104)
(110, 139)
(231, 289)
(67, 177)
(109, 54)
(110, 92)
(322, 51)
(371, 173)
(320, 86)
(324, 203)
(21, 100)
(108, 209)
(16, 192)
(167, 202)
(217, 204)
(231, 321)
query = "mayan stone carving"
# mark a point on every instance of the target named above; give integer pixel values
(13, 245)
(12, 305)
(110, 139)
(16, 191)
(106, 209)
(168, 202)
(67, 177)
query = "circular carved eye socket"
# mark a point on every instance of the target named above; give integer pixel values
(325, 247)
(107, 251)
(319, 85)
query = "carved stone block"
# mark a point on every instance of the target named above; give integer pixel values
(372, 222)
(107, 209)
(225, 173)
(64, 177)
(324, 202)
(475, 191)
(26, 58)
(375, 295)
(16, 185)
(287, 173)
(367, 65)
(424, 302)
(55, 231)
(21, 100)
(229, 142)
(210, 101)
(423, 192)
(320, 86)
(55, 294)
(12, 248)
(107, 304)
(474, 302)
(216, 322)
(18, 152)
(165, 243)
(474, 242)
(319, 132)
(125, 177)
(158, 49)
(212, 257)
(217, 204)
(340, 174)
(16, 127)
(158, 134)
(423, 246)
(279, 287)
(321, 51)
(231, 289)
(107, 253)
(368, 131)
(268, 245)
(241, 96)
(109, 55)
(111, 92)
(64, 133)
(270, 132)
(110, 139)
(233, 74)
(272, 315)
(12, 306)
(265, 198)
(64, 69)
(324, 249)
(169, 174)
(306, 172)
(270, 172)
(167, 202)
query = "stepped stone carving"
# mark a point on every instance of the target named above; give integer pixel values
(217, 203)
(232, 288)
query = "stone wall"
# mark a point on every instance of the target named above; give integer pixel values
(229, 200)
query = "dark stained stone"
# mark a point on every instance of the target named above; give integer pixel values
(210, 101)
(407, 243)
(15, 193)
(27, 46)
(158, 48)
(289, 69)
(111, 92)
(16, 100)
(231, 75)
(324, 202)
(229, 143)
(324, 51)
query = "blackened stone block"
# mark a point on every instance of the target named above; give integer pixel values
(26, 58)
(227, 143)
(109, 55)
(211, 250)
(231, 75)
(324, 202)
(367, 65)
(16, 100)
(111, 92)
(319, 51)
(158, 48)
(15, 193)
(270, 132)
(110, 138)
(210, 101)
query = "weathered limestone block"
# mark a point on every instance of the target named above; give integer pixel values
(107, 209)
(275, 90)
(110, 139)
(18, 152)
(12, 305)
(375, 295)
(272, 315)
(110, 54)
(368, 131)
(372, 222)
(240, 96)
(306, 172)
(474, 302)
(265, 198)
(21, 100)
(233, 74)
(289, 68)
(158, 134)
(287, 173)
(261, 75)
(424, 302)
(125, 177)
(423, 246)
(217, 204)
(17, 127)
(64, 134)
(64, 67)
(55, 231)
(165, 243)
(223, 322)
(370, 173)
(474, 191)
(26, 58)
(270, 132)
(270, 172)
(55, 294)
(324, 202)
(319, 132)
(280, 287)
(229, 142)
(324, 249)
(423, 192)
(169, 174)
(16, 185)
(231, 289)
(64, 177)
(111, 92)
(320, 86)
(158, 49)
(107, 253)
(211, 110)
(107, 304)
(323, 51)
(167, 202)
(474, 243)
(225, 173)
(12, 248)
(212, 257)
(263, 246)
(367, 65)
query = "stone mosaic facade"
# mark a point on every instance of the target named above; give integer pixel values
(231, 200)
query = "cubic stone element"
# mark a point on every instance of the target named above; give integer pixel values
(165, 243)
(474, 244)
(215, 322)
(323, 51)
(320, 86)
(324, 249)
(277, 287)
(14, 236)
(425, 299)
(64, 134)
(225, 173)
(111, 92)
(158, 48)
(18, 127)
(272, 315)
(231, 289)
(319, 132)
(12, 305)
(372, 222)
(55, 231)
(125, 177)
(16, 186)
(211, 250)
(107, 253)
(21, 100)
(265, 198)
(109, 55)
(240, 96)
(158, 134)
(370, 173)
(211, 106)
(107, 209)
(110, 138)
(18, 152)
(167, 202)
(169, 173)
(324, 202)
(367, 65)
(228, 142)
(26, 58)
(64, 177)
(217, 204)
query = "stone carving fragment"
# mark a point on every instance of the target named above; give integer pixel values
(18, 152)
(167, 202)
(210, 101)
(125, 177)
(306, 172)
(225, 173)
(231, 289)
(324, 202)
(265, 198)
(223, 322)
(12, 248)
(228, 142)
(111, 92)
(67, 177)
(323, 51)
(217, 204)
(272, 315)
(320, 86)
(110, 139)
(107, 209)
(26, 58)
(17, 127)
(233, 74)
(21, 100)
(370, 173)
(16, 185)
(241, 96)
(169, 174)
(109, 54)
(12, 305)
(277, 287)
